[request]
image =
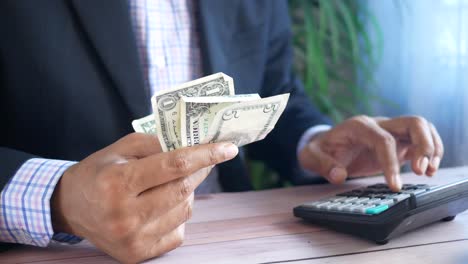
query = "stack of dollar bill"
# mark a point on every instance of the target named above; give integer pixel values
(207, 110)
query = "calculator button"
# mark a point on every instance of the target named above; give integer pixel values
(317, 205)
(361, 200)
(362, 209)
(400, 197)
(388, 202)
(340, 206)
(350, 199)
(351, 207)
(376, 209)
(374, 201)
(328, 206)
(338, 199)
(355, 208)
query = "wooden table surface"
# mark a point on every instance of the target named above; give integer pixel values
(258, 227)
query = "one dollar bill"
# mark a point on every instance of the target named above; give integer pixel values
(145, 125)
(166, 105)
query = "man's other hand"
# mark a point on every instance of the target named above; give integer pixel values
(364, 146)
(130, 199)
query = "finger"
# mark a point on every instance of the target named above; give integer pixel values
(137, 145)
(160, 224)
(422, 147)
(384, 146)
(164, 198)
(169, 242)
(316, 160)
(418, 132)
(154, 246)
(158, 169)
(438, 151)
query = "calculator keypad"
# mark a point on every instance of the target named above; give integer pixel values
(371, 200)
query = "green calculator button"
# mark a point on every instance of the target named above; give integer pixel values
(377, 209)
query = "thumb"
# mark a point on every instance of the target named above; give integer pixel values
(314, 159)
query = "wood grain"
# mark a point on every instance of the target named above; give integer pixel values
(450, 252)
(258, 227)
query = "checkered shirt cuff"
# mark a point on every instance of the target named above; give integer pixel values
(25, 215)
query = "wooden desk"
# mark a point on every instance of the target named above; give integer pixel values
(258, 227)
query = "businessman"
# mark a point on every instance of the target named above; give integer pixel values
(74, 74)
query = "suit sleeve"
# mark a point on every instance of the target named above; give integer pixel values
(11, 160)
(278, 149)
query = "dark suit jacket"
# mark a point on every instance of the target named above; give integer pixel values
(71, 83)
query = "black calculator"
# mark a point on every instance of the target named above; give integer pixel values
(376, 213)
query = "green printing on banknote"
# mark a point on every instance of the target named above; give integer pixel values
(207, 110)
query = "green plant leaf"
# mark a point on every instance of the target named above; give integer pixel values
(315, 64)
(333, 24)
(347, 16)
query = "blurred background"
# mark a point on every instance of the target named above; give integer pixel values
(387, 57)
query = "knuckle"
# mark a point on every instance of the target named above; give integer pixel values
(130, 179)
(142, 143)
(418, 121)
(213, 156)
(185, 188)
(361, 119)
(387, 140)
(126, 170)
(181, 163)
(427, 150)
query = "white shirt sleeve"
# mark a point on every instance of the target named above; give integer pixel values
(305, 139)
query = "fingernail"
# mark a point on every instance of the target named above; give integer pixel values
(230, 150)
(423, 164)
(337, 174)
(397, 181)
(436, 163)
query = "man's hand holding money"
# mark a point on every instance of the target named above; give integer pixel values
(130, 199)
